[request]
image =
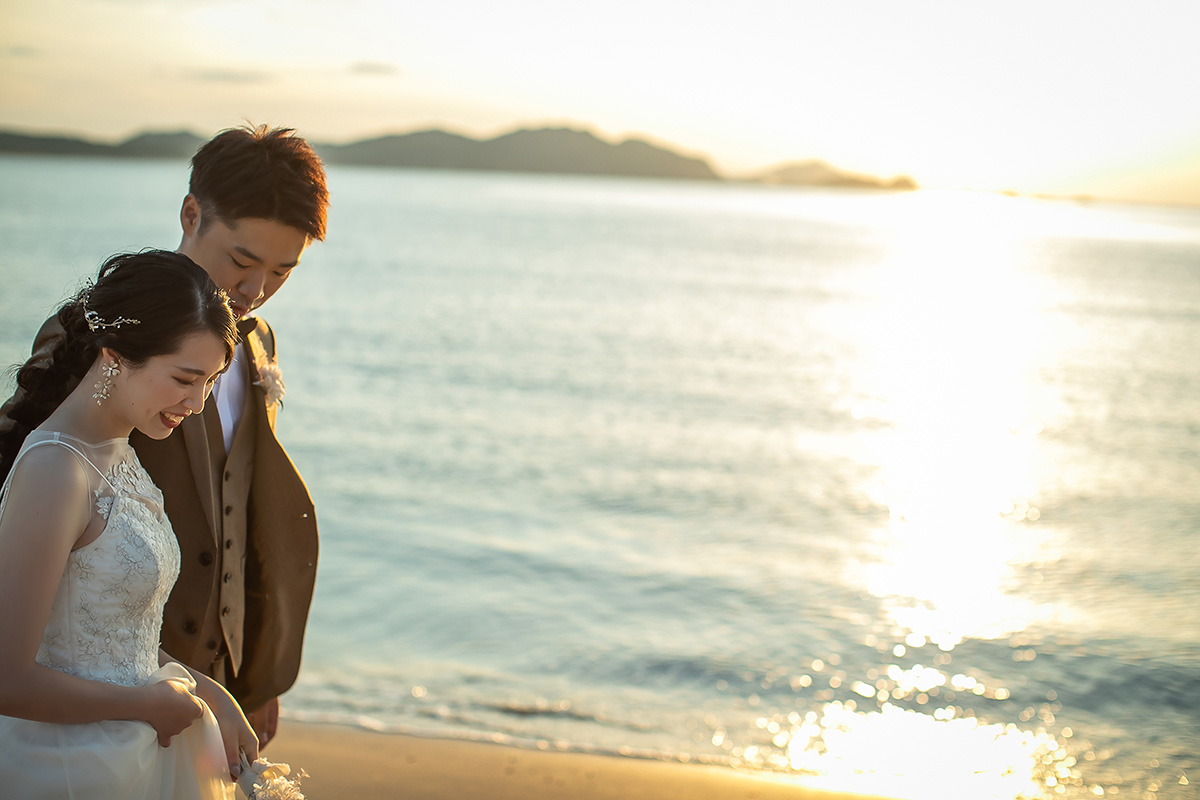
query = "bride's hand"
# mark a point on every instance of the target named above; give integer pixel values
(171, 708)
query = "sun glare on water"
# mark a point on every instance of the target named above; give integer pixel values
(906, 754)
(954, 340)
(957, 337)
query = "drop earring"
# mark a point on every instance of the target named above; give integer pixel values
(103, 386)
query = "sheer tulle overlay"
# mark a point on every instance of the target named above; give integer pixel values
(113, 760)
(105, 625)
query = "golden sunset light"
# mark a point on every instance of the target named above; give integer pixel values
(781, 398)
(1065, 98)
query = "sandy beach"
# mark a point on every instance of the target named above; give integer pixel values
(347, 763)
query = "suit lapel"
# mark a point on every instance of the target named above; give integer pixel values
(258, 357)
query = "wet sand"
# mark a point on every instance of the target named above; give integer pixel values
(352, 764)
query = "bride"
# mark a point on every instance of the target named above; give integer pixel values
(92, 707)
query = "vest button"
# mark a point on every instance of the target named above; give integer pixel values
(229, 544)
(228, 577)
(225, 611)
(228, 474)
(212, 644)
(189, 627)
(228, 510)
(206, 558)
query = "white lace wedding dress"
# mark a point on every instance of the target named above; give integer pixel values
(105, 625)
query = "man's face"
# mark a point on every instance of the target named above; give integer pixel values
(250, 258)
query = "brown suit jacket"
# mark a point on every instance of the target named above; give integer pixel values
(247, 536)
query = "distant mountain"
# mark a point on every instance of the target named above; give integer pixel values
(147, 145)
(181, 144)
(50, 145)
(546, 150)
(559, 150)
(818, 173)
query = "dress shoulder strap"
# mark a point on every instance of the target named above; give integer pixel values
(58, 440)
(40, 438)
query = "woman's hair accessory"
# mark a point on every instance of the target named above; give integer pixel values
(94, 321)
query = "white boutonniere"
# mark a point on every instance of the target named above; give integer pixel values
(270, 378)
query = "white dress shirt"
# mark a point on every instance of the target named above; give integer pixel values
(229, 392)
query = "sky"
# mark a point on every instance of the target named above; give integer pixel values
(1052, 96)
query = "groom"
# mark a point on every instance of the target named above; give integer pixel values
(243, 516)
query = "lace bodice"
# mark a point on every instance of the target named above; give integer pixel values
(106, 620)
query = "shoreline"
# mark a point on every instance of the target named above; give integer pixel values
(347, 762)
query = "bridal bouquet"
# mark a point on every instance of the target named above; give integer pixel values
(263, 780)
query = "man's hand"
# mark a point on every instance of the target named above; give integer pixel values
(265, 721)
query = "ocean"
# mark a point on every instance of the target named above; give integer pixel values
(896, 493)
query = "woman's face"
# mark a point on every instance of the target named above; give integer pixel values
(157, 396)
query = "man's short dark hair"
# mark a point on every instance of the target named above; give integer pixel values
(261, 173)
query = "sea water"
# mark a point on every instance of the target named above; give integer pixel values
(897, 493)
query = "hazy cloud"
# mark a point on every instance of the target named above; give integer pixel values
(219, 75)
(168, 4)
(374, 68)
(22, 51)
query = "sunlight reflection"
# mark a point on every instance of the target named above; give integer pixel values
(954, 401)
(955, 338)
(906, 754)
